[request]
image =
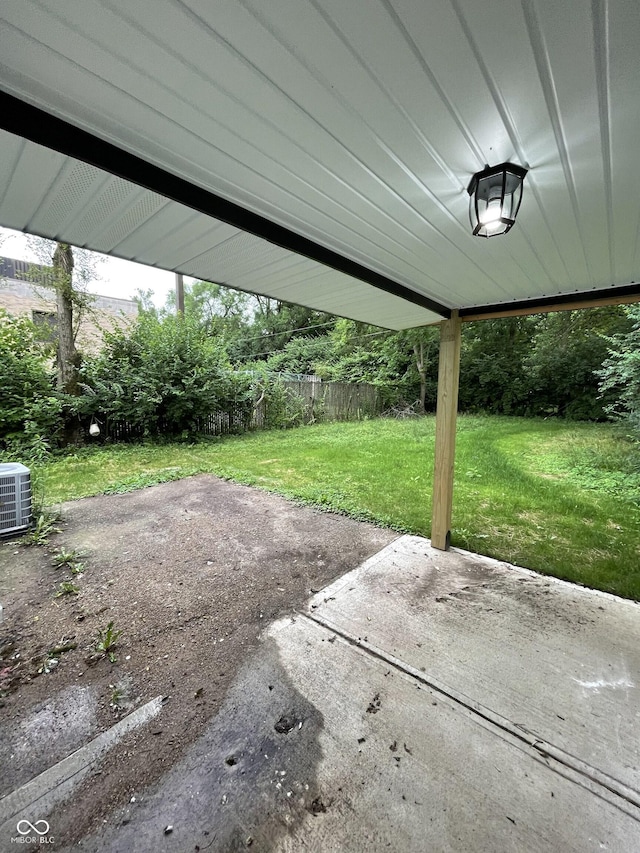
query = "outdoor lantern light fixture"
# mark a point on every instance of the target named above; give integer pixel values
(495, 196)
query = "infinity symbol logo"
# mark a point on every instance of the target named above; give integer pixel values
(32, 827)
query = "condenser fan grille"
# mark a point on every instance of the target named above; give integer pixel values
(15, 498)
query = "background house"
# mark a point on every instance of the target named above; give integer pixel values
(23, 290)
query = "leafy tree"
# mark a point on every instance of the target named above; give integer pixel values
(567, 351)
(67, 272)
(402, 365)
(620, 373)
(215, 307)
(301, 356)
(275, 323)
(145, 303)
(492, 365)
(424, 342)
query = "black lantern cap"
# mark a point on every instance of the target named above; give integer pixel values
(496, 193)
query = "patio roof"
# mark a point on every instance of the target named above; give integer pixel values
(319, 151)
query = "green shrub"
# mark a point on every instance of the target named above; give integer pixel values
(164, 377)
(29, 406)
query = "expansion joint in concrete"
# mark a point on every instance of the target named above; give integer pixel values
(600, 784)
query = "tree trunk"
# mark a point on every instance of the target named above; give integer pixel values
(67, 354)
(418, 350)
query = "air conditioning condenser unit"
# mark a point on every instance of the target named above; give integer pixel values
(15, 499)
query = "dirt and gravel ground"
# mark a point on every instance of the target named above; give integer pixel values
(189, 572)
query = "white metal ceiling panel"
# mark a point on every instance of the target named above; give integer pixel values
(356, 125)
(22, 195)
(73, 191)
(195, 245)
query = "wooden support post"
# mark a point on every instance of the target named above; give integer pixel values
(448, 380)
(179, 294)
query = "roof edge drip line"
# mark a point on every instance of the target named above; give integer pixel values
(29, 122)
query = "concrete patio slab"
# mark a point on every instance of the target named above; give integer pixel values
(425, 773)
(556, 660)
(425, 701)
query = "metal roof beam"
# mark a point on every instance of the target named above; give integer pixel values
(568, 302)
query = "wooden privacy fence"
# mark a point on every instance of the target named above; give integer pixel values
(349, 401)
(330, 401)
(316, 400)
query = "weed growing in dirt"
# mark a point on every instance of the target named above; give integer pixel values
(116, 696)
(67, 588)
(63, 646)
(52, 659)
(68, 559)
(106, 642)
(63, 558)
(46, 524)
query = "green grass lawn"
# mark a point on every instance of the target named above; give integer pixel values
(553, 496)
